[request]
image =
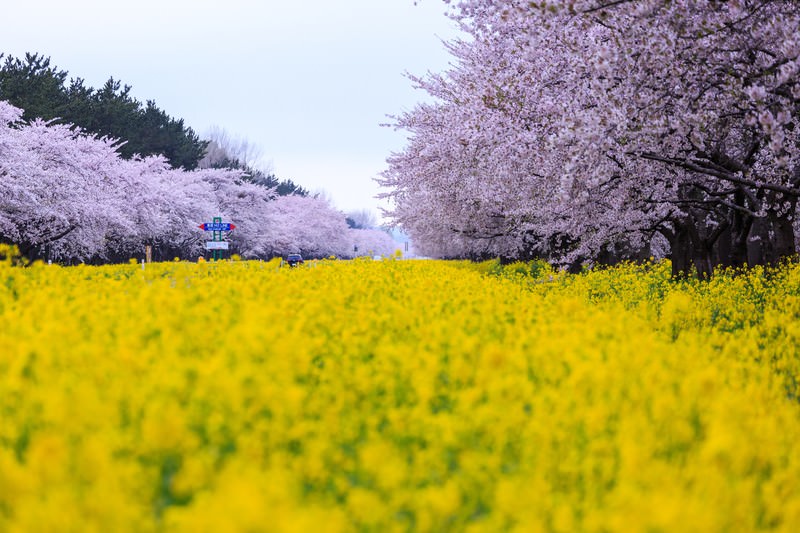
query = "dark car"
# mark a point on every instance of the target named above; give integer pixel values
(294, 260)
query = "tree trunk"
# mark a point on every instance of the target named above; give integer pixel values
(692, 251)
(723, 248)
(740, 228)
(701, 257)
(680, 250)
(730, 250)
(771, 238)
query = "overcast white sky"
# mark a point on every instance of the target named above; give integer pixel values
(308, 82)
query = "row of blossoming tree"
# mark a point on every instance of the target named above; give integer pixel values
(68, 196)
(591, 130)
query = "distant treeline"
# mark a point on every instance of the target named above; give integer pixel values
(45, 91)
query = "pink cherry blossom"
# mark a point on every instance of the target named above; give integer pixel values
(68, 196)
(588, 130)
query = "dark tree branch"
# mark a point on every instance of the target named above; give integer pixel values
(699, 167)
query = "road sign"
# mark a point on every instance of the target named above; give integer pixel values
(217, 226)
(216, 244)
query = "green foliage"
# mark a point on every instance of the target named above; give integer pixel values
(9, 255)
(41, 90)
(489, 267)
(34, 86)
(534, 269)
(288, 187)
(259, 177)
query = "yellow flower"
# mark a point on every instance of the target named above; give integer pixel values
(397, 396)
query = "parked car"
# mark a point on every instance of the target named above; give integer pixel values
(294, 260)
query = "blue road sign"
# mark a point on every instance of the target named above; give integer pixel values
(217, 226)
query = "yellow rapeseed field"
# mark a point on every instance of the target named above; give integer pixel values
(397, 396)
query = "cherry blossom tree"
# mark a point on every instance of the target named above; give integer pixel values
(69, 196)
(57, 190)
(370, 242)
(573, 128)
(305, 225)
(166, 207)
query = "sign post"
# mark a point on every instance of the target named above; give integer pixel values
(216, 244)
(217, 254)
